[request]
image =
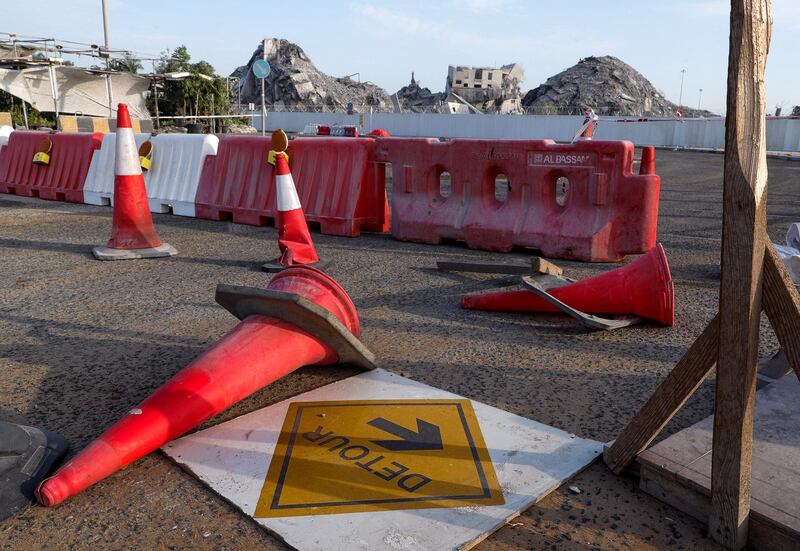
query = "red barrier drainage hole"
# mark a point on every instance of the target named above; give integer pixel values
(562, 188)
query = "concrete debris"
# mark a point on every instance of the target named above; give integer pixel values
(608, 85)
(416, 99)
(169, 129)
(241, 129)
(294, 83)
(605, 83)
(574, 489)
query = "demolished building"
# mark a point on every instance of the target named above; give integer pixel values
(294, 83)
(489, 89)
(606, 84)
(414, 98)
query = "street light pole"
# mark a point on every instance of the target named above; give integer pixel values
(680, 97)
(699, 98)
(108, 59)
(263, 104)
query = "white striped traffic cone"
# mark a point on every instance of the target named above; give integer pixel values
(294, 240)
(133, 234)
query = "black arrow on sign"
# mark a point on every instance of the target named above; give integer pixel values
(427, 437)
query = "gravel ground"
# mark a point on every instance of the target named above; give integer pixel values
(82, 341)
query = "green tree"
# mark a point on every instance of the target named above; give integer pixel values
(201, 93)
(128, 64)
(9, 103)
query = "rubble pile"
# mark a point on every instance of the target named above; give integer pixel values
(608, 85)
(605, 83)
(294, 83)
(416, 99)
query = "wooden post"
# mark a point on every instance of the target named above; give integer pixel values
(743, 230)
(749, 265)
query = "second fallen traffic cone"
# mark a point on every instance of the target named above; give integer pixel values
(303, 318)
(294, 239)
(133, 234)
(643, 288)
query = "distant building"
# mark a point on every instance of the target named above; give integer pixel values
(481, 85)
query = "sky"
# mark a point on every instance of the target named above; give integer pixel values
(384, 41)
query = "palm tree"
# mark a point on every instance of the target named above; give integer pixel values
(128, 64)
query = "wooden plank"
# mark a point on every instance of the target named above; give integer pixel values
(782, 305)
(484, 267)
(545, 266)
(678, 469)
(743, 230)
(680, 384)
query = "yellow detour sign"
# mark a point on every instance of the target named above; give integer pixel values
(377, 455)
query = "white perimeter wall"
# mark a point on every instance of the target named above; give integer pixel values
(782, 134)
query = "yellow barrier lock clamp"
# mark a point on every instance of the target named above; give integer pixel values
(273, 154)
(42, 156)
(145, 151)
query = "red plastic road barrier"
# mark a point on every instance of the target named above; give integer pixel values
(339, 185)
(62, 179)
(577, 201)
(255, 353)
(644, 288)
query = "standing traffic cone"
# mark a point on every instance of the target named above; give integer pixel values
(294, 240)
(648, 163)
(133, 234)
(643, 288)
(303, 318)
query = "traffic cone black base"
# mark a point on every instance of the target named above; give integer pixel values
(28, 455)
(107, 253)
(275, 266)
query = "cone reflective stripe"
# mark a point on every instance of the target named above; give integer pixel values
(258, 351)
(643, 288)
(648, 162)
(133, 224)
(294, 239)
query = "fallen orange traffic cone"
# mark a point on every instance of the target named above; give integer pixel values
(643, 288)
(133, 234)
(294, 239)
(303, 318)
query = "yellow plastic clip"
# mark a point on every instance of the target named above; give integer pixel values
(41, 158)
(144, 162)
(273, 154)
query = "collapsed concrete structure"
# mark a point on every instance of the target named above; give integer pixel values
(489, 89)
(416, 99)
(608, 85)
(294, 83)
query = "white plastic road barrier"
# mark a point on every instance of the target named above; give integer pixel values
(5, 132)
(175, 167)
(176, 164)
(99, 186)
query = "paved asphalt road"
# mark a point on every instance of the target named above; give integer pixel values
(81, 341)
